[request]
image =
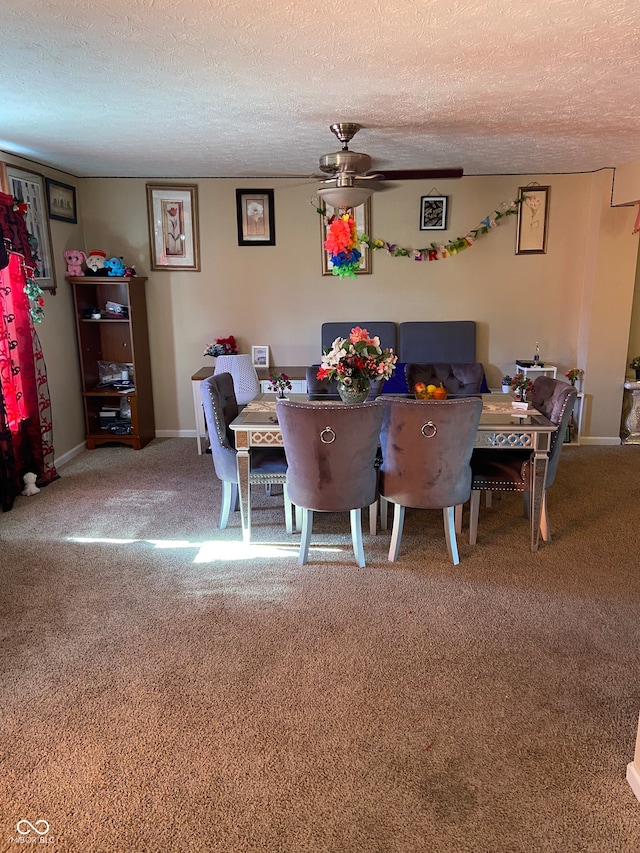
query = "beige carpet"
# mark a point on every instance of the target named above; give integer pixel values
(164, 688)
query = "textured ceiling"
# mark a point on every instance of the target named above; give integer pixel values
(236, 88)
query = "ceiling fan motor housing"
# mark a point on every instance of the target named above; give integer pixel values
(345, 162)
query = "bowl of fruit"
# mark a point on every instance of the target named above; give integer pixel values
(429, 392)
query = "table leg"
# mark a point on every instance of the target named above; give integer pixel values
(243, 462)
(201, 427)
(538, 476)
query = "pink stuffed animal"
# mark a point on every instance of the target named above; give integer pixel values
(74, 259)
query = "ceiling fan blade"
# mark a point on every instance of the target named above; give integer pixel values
(419, 174)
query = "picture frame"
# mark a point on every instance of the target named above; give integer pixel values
(255, 213)
(29, 187)
(260, 356)
(173, 227)
(362, 217)
(533, 220)
(61, 201)
(433, 212)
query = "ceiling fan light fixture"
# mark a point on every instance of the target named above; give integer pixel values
(344, 197)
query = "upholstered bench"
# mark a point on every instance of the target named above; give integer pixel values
(461, 379)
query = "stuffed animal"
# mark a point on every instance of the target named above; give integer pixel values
(95, 262)
(30, 487)
(74, 259)
(115, 266)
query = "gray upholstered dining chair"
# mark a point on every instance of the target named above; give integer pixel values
(426, 448)
(510, 470)
(268, 465)
(331, 452)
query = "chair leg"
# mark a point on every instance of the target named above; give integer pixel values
(298, 518)
(448, 513)
(305, 538)
(384, 508)
(396, 533)
(459, 509)
(229, 499)
(373, 518)
(288, 511)
(356, 535)
(526, 504)
(474, 510)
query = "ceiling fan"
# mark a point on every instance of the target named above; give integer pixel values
(350, 172)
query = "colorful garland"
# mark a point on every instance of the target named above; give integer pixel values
(31, 288)
(432, 252)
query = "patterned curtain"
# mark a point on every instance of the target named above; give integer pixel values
(25, 406)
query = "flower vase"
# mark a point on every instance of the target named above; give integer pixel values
(355, 393)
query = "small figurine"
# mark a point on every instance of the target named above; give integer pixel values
(115, 266)
(30, 487)
(74, 259)
(95, 262)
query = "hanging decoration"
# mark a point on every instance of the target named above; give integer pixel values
(342, 241)
(31, 288)
(342, 245)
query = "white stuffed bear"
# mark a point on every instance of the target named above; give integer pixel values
(30, 487)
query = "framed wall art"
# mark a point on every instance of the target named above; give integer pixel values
(256, 218)
(533, 219)
(173, 227)
(362, 218)
(260, 356)
(433, 212)
(61, 201)
(28, 187)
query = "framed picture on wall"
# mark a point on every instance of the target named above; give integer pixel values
(362, 217)
(533, 218)
(28, 187)
(256, 218)
(433, 212)
(61, 201)
(173, 227)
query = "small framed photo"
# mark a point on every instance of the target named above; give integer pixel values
(362, 217)
(28, 187)
(433, 212)
(61, 201)
(173, 227)
(256, 218)
(260, 356)
(533, 216)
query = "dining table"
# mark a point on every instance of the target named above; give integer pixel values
(501, 427)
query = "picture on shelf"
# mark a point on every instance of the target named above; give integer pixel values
(260, 356)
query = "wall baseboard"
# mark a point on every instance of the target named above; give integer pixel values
(633, 778)
(59, 461)
(610, 440)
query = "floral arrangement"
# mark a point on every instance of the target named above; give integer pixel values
(342, 245)
(358, 357)
(574, 374)
(222, 346)
(279, 382)
(521, 385)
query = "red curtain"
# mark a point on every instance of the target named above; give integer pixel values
(26, 443)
